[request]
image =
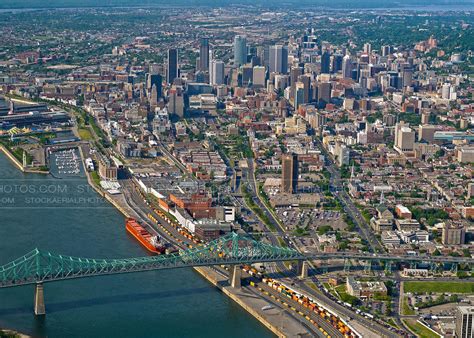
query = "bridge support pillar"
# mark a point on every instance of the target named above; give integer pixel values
(368, 267)
(347, 265)
(235, 276)
(40, 309)
(302, 269)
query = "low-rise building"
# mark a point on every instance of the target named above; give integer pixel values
(407, 224)
(361, 289)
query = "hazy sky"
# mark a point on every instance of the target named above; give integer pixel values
(296, 3)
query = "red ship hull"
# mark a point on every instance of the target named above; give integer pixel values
(142, 236)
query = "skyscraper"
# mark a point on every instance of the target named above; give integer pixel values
(464, 321)
(153, 96)
(154, 80)
(367, 48)
(337, 63)
(404, 137)
(385, 50)
(204, 55)
(240, 50)
(259, 76)
(176, 101)
(172, 67)
(324, 93)
(289, 171)
(278, 62)
(347, 67)
(325, 62)
(299, 94)
(217, 72)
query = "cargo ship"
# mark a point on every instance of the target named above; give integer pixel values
(150, 242)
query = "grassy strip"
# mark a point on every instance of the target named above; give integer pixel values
(420, 330)
(406, 309)
(95, 178)
(439, 287)
(8, 334)
(391, 322)
(254, 207)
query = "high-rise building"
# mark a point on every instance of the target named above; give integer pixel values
(204, 55)
(425, 117)
(306, 81)
(294, 73)
(453, 234)
(367, 48)
(289, 171)
(324, 92)
(386, 50)
(446, 91)
(281, 82)
(299, 94)
(404, 137)
(347, 67)
(407, 77)
(336, 63)
(217, 72)
(153, 96)
(172, 67)
(278, 62)
(240, 50)
(176, 101)
(426, 132)
(154, 80)
(259, 76)
(343, 154)
(325, 62)
(470, 190)
(247, 75)
(464, 321)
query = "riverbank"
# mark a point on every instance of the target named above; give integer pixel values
(249, 303)
(12, 334)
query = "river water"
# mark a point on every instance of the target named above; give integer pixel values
(65, 216)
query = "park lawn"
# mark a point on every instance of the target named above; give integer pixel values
(438, 287)
(95, 178)
(406, 309)
(392, 322)
(85, 134)
(420, 330)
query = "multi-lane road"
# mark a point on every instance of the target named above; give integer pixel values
(337, 188)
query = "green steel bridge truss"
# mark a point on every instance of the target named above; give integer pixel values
(38, 266)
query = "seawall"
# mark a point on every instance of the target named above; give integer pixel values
(207, 273)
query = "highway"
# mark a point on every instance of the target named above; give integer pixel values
(337, 189)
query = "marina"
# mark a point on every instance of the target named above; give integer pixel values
(66, 163)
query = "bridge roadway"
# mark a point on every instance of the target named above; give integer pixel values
(364, 256)
(136, 199)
